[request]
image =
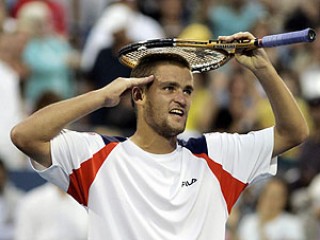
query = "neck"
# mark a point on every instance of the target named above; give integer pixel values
(154, 142)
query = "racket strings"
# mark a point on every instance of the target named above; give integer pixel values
(200, 59)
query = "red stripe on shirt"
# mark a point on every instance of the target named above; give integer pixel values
(231, 187)
(82, 178)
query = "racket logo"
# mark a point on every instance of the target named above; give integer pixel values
(236, 43)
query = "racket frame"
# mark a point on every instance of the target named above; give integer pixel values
(203, 48)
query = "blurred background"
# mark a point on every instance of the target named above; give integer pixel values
(55, 49)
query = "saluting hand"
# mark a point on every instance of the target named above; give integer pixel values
(119, 86)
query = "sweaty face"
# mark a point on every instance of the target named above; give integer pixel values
(168, 100)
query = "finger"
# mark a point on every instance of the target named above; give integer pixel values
(139, 81)
(242, 35)
(148, 79)
(239, 35)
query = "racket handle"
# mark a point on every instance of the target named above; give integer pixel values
(306, 35)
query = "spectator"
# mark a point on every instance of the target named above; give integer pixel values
(231, 16)
(119, 15)
(80, 16)
(89, 13)
(271, 220)
(239, 99)
(48, 56)
(12, 71)
(171, 17)
(11, 113)
(57, 13)
(47, 212)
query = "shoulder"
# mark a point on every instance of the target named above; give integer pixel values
(71, 135)
(81, 145)
(253, 136)
(216, 140)
(195, 145)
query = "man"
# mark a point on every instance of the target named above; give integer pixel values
(152, 186)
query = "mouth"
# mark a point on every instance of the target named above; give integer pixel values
(177, 111)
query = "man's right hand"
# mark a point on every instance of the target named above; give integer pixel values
(119, 86)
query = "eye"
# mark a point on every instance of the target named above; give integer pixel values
(188, 91)
(168, 88)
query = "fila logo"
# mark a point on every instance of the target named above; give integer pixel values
(187, 184)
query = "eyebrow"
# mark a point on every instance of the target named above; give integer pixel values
(175, 84)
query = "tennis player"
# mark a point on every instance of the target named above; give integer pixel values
(152, 185)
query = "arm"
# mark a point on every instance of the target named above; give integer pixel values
(32, 136)
(290, 126)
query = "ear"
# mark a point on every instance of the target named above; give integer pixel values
(137, 95)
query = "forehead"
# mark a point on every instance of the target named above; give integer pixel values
(173, 72)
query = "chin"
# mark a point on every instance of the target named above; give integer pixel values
(172, 132)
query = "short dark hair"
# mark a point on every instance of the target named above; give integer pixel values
(147, 64)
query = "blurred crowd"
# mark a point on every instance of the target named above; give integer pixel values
(55, 49)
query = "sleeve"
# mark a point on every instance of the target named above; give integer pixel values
(244, 156)
(68, 151)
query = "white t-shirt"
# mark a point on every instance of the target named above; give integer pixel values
(133, 194)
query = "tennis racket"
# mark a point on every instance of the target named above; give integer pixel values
(210, 54)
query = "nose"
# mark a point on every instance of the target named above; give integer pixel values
(180, 98)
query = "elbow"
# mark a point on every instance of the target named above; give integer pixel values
(18, 138)
(34, 148)
(300, 134)
(15, 137)
(291, 137)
